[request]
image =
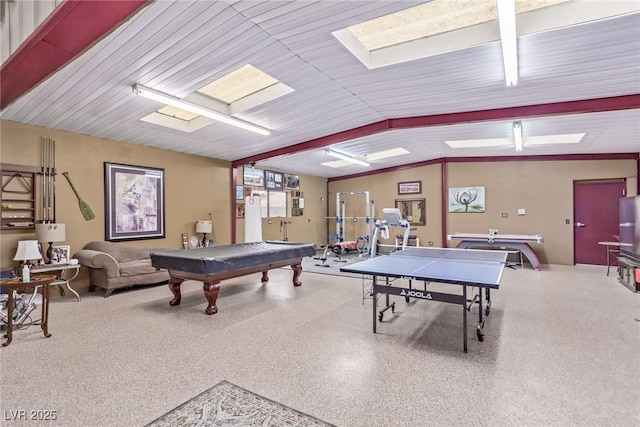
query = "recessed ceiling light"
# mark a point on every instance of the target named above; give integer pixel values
(393, 152)
(569, 138)
(480, 143)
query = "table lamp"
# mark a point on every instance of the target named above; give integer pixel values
(50, 232)
(27, 251)
(203, 226)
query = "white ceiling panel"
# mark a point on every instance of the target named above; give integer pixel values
(179, 46)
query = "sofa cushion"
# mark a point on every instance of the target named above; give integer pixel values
(136, 267)
(119, 251)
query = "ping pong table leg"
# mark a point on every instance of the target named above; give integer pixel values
(464, 317)
(488, 309)
(480, 331)
(374, 302)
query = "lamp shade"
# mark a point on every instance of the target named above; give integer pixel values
(204, 226)
(51, 232)
(27, 250)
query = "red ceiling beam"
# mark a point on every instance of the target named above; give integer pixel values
(324, 141)
(536, 158)
(596, 105)
(71, 28)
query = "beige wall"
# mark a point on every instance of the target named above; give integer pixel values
(543, 189)
(194, 186)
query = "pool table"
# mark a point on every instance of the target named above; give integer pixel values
(214, 264)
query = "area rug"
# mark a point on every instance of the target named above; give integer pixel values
(226, 404)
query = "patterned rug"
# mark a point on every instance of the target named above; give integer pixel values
(226, 404)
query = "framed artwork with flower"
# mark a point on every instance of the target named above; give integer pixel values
(466, 199)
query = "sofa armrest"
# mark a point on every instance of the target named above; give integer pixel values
(100, 260)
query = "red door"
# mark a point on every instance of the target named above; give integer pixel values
(595, 219)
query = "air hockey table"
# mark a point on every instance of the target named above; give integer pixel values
(521, 242)
(213, 264)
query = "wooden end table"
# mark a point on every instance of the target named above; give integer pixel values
(16, 283)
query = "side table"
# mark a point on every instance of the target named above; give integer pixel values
(17, 283)
(613, 248)
(60, 270)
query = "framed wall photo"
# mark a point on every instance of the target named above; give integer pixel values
(60, 254)
(291, 182)
(274, 180)
(253, 176)
(466, 199)
(239, 192)
(240, 211)
(134, 202)
(411, 187)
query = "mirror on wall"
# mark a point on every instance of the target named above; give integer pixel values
(413, 210)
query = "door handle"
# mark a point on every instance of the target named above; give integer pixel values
(579, 224)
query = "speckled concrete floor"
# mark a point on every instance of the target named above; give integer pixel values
(561, 348)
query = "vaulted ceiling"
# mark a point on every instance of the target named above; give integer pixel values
(579, 79)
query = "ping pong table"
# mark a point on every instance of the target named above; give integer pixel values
(481, 269)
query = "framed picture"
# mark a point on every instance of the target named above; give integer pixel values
(239, 211)
(134, 202)
(466, 199)
(412, 187)
(239, 192)
(291, 182)
(274, 180)
(253, 176)
(60, 254)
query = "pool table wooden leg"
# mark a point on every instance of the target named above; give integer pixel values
(174, 286)
(265, 276)
(297, 269)
(211, 292)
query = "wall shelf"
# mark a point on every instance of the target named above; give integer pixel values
(18, 197)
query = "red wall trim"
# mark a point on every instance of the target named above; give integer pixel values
(234, 203)
(443, 202)
(71, 28)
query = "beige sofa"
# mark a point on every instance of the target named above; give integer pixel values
(115, 265)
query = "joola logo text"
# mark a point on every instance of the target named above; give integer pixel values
(416, 294)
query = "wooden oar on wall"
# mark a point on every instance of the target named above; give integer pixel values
(87, 213)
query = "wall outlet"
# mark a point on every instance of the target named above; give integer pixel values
(430, 242)
(521, 211)
(505, 215)
(567, 221)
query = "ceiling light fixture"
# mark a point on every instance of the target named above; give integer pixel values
(517, 135)
(342, 156)
(509, 39)
(197, 109)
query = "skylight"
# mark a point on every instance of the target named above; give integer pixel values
(233, 93)
(242, 82)
(442, 26)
